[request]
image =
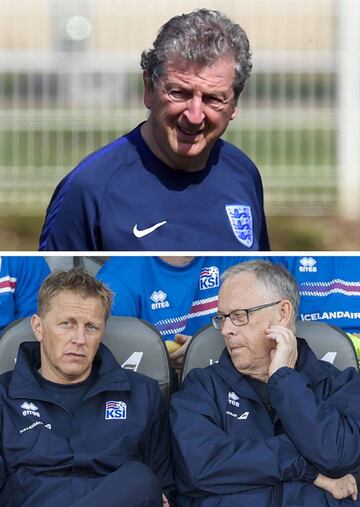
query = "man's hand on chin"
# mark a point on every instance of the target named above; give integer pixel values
(285, 351)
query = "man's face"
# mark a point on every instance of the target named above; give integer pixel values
(191, 107)
(69, 335)
(247, 345)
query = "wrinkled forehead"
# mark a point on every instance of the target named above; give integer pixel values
(74, 301)
(241, 290)
(176, 63)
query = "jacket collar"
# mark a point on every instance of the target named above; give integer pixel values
(25, 384)
(236, 380)
(310, 365)
(307, 363)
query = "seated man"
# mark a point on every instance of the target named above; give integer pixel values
(269, 424)
(20, 279)
(76, 429)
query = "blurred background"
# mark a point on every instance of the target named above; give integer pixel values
(70, 82)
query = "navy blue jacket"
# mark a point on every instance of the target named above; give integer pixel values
(122, 197)
(228, 450)
(40, 466)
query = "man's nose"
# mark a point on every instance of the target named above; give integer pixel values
(79, 335)
(228, 327)
(194, 112)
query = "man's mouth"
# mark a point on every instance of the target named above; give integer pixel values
(189, 132)
(75, 355)
(236, 347)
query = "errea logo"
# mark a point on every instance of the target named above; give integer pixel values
(232, 399)
(158, 297)
(29, 409)
(307, 264)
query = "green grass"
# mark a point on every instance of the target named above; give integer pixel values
(62, 148)
(297, 166)
(277, 147)
(286, 233)
(269, 147)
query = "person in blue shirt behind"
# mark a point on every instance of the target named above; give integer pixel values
(172, 183)
(76, 429)
(20, 280)
(269, 424)
(177, 294)
(330, 290)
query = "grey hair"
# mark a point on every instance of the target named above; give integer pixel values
(274, 278)
(202, 36)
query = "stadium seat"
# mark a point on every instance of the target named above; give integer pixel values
(63, 262)
(136, 344)
(92, 264)
(328, 343)
(204, 349)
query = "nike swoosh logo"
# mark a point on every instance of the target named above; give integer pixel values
(149, 230)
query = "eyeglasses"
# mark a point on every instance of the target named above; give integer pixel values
(238, 317)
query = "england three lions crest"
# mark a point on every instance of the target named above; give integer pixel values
(241, 223)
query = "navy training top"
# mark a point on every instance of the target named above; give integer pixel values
(123, 198)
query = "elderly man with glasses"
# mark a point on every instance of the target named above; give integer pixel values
(269, 424)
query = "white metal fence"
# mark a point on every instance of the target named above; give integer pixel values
(70, 82)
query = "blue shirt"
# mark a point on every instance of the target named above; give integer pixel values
(174, 299)
(329, 287)
(123, 198)
(20, 280)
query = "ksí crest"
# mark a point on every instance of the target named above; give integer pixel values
(241, 223)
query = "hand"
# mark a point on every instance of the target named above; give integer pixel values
(165, 501)
(285, 351)
(344, 487)
(177, 357)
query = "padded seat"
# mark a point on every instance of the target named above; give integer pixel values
(328, 343)
(136, 344)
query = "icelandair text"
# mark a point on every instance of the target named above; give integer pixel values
(330, 315)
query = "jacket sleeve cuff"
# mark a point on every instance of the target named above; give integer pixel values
(310, 474)
(279, 375)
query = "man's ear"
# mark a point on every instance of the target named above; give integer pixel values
(234, 113)
(148, 90)
(36, 324)
(285, 310)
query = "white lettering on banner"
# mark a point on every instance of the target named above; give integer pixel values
(339, 314)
